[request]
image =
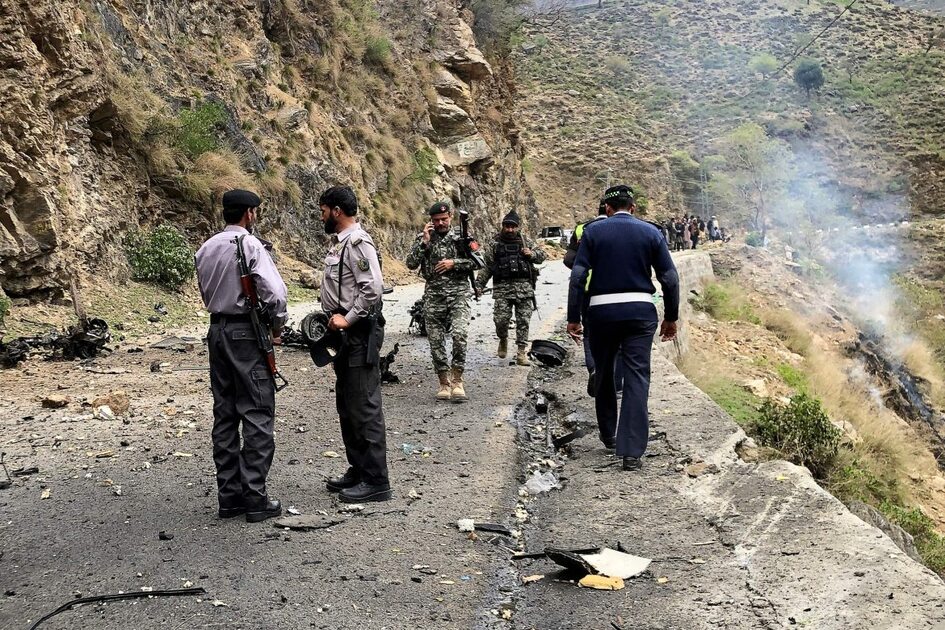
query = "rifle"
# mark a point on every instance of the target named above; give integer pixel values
(470, 250)
(259, 315)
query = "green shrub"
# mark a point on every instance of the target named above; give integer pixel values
(930, 543)
(809, 75)
(764, 64)
(5, 304)
(162, 256)
(793, 377)
(196, 133)
(737, 401)
(802, 432)
(425, 166)
(377, 52)
(619, 66)
(754, 239)
(725, 302)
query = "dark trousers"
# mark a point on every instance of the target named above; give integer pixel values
(244, 396)
(358, 400)
(628, 343)
(589, 358)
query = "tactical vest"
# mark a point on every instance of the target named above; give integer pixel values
(510, 263)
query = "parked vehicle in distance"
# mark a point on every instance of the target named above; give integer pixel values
(554, 235)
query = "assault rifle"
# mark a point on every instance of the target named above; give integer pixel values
(470, 250)
(259, 315)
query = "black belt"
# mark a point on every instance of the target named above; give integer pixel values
(223, 318)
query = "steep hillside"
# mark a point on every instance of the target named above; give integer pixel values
(120, 114)
(617, 90)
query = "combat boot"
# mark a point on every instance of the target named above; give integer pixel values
(444, 392)
(503, 347)
(522, 357)
(458, 394)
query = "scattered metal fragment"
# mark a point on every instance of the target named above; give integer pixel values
(570, 560)
(536, 555)
(172, 592)
(77, 342)
(177, 344)
(387, 376)
(22, 472)
(567, 438)
(495, 528)
(307, 522)
(5, 483)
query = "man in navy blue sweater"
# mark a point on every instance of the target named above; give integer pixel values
(623, 252)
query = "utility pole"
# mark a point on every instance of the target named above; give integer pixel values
(704, 192)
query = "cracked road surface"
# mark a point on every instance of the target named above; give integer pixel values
(747, 547)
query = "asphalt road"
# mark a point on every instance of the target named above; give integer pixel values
(737, 545)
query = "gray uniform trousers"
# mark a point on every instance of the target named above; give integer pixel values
(358, 400)
(243, 394)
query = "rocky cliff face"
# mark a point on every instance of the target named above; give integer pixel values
(116, 114)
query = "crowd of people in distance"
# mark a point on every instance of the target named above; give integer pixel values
(687, 231)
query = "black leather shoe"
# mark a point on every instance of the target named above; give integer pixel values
(364, 492)
(610, 444)
(231, 511)
(272, 509)
(348, 480)
(590, 385)
(632, 463)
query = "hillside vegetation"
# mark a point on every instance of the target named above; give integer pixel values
(119, 115)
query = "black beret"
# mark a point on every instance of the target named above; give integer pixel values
(238, 199)
(512, 217)
(618, 192)
(438, 208)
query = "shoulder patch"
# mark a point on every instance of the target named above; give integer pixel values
(363, 264)
(356, 241)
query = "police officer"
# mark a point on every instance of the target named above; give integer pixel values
(438, 254)
(243, 389)
(352, 288)
(623, 251)
(509, 262)
(569, 255)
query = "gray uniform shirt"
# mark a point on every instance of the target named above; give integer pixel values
(353, 255)
(218, 276)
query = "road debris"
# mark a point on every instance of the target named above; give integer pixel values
(117, 402)
(46, 494)
(701, 468)
(176, 344)
(306, 522)
(466, 525)
(163, 535)
(330, 454)
(601, 582)
(532, 578)
(77, 342)
(55, 401)
(173, 592)
(617, 563)
(541, 482)
(387, 375)
(5, 483)
(567, 438)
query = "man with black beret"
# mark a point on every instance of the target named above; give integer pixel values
(510, 262)
(437, 252)
(243, 389)
(623, 253)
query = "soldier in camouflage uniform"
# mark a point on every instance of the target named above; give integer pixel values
(437, 253)
(509, 262)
